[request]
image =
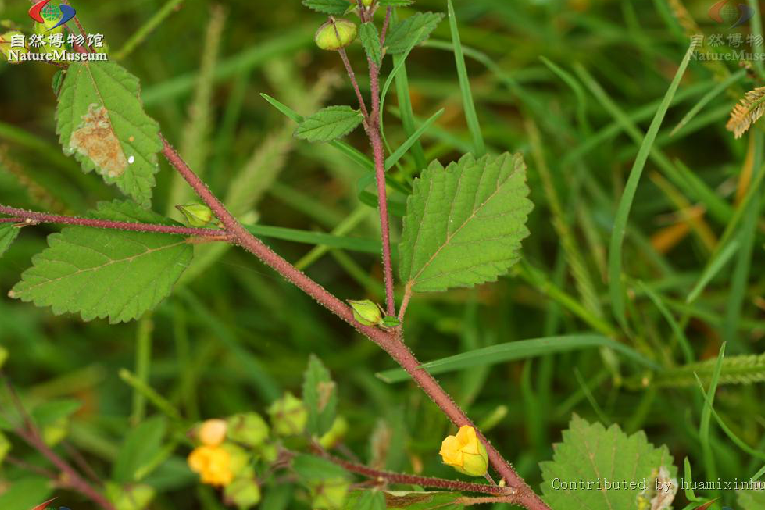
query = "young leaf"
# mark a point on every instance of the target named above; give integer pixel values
(106, 273)
(396, 3)
(102, 122)
(26, 493)
(365, 500)
(411, 32)
(370, 39)
(319, 396)
(591, 453)
(310, 467)
(332, 7)
(464, 224)
(329, 124)
(424, 500)
(8, 234)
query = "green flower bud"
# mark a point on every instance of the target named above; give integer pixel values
(247, 428)
(5, 446)
(239, 459)
(5, 46)
(244, 492)
(134, 497)
(329, 494)
(336, 34)
(268, 452)
(390, 322)
(367, 312)
(288, 415)
(335, 434)
(197, 215)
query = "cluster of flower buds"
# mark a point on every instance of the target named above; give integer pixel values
(229, 449)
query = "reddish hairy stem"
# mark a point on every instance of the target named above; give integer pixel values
(424, 481)
(354, 82)
(22, 216)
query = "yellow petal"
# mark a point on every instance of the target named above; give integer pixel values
(450, 451)
(468, 439)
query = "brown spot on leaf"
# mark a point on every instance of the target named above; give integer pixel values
(325, 390)
(95, 139)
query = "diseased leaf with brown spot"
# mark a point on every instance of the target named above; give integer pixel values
(96, 140)
(100, 119)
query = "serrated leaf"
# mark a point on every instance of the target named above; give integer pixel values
(25, 493)
(8, 234)
(106, 273)
(751, 500)
(319, 396)
(333, 7)
(100, 119)
(464, 223)
(411, 32)
(329, 124)
(48, 413)
(590, 453)
(370, 39)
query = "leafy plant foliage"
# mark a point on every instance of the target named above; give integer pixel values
(464, 223)
(591, 453)
(329, 124)
(104, 273)
(412, 31)
(333, 7)
(102, 122)
(8, 233)
(320, 397)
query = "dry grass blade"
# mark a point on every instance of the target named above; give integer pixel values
(747, 112)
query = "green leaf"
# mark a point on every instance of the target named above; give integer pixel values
(591, 453)
(411, 32)
(102, 122)
(26, 493)
(391, 160)
(751, 500)
(396, 3)
(106, 273)
(310, 467)
(329, 124)
(370, 39)
(334, 7)
(424, 500)
(319, 396)
(8, 234)
(365, 500)
(48, 413)
(139, 449)
(464, 224)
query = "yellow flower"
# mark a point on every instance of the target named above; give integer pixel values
(213, 464)
(212, 432)
(465, 452)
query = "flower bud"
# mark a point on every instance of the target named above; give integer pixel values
(390, 322)
(135, 497)
(212, 432)
(336, 34)
(244, 492)
(465, 452)
(239, 459)
(288, 415)
(247, 428)
(335, 434)
(329, 494)
(197, 215)
(46, 30)
(366, 312)
(268, 452)
(5, 46)
(213, 464)
(365, 3)
(5, 446)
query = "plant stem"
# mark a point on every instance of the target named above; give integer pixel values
(375, 137)
(354, 82)
(28, 432)
(423, 481)
(25, 217)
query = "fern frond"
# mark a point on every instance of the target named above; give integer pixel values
(747, 112)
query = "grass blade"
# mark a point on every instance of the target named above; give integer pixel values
(467, 96)
(616, 286)
(409, 143)
(525, 349)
